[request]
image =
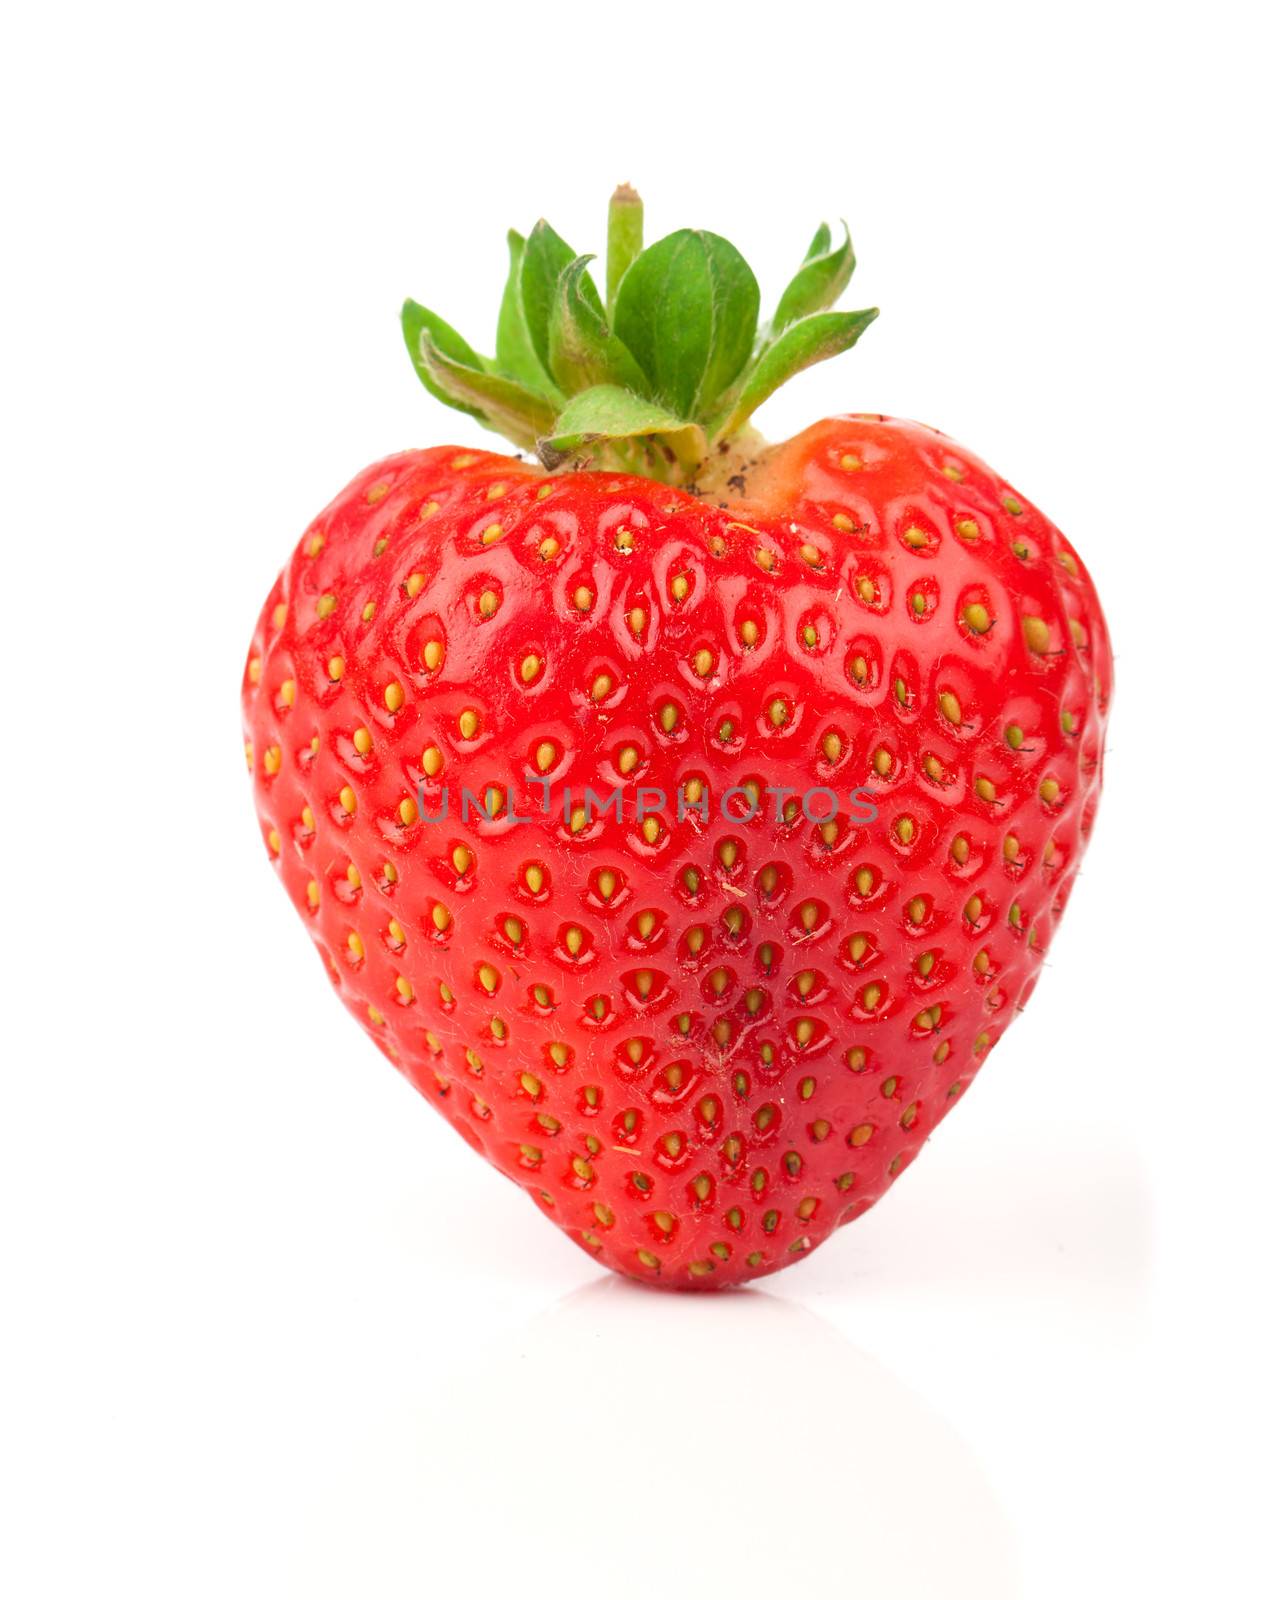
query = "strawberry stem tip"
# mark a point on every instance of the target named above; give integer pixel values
(663, 370)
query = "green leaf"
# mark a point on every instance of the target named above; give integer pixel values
(452, 372)
(686, 309)
(414, 319)
(515, 357)
(812, 339)
(544, 257)
(583, 352)
(820, 281)
(609, 412)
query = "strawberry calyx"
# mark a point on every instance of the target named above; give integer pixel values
(655, 376)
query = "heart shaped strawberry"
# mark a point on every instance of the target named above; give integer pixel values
(685, 816)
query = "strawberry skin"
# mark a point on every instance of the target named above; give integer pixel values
(699, 1042)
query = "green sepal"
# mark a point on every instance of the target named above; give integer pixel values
(545, 255)
(414, 319)
(812, 339)
(452, 372)
(583, 353)
(820, 281)
(687, 309)
(515, 356)
(607, 414)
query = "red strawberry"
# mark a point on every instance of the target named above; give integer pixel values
(700, 1040)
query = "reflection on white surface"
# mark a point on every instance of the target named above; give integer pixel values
(635, 1444)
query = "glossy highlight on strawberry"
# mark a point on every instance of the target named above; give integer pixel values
(700, 1036)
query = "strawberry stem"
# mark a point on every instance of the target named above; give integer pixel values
(625, 237)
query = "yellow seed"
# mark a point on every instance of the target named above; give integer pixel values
(491, 533)
(312, 893)
(306, 819)
(428, 509)
(354, 876)
(433, 654)
(326, 605)
(369, 611)
(273, 760)
(1036, 634)
(680, 587)
(1011, 504)
(850, 463)
(636, 619)
(625, 539)
(488, 602)
(628, 759)
(916, 538)
(496, 491)
(274, 841)
(952, 473)
(986, 790)
(335, 668)
(279, 614)
(749, 633)
(548, 549)
(469, 724)
(1049, 790)
(414, 584)
(406, 811)
(669, 716)
(967, 528)
(404, 988)
(547, 755)
(703, 661)
(976, 617)
(396, 933)
(601, 687)
(583, 598)
(951, 707)
(529, 668)
(833, 747)
(355, 945)
(534, 878)
(394, 696)
(348, 800)
(842, 523)
(462, 860)
(432, 760)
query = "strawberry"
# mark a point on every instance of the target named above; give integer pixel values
(686, 817)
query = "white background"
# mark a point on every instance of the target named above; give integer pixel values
(269, 1329)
